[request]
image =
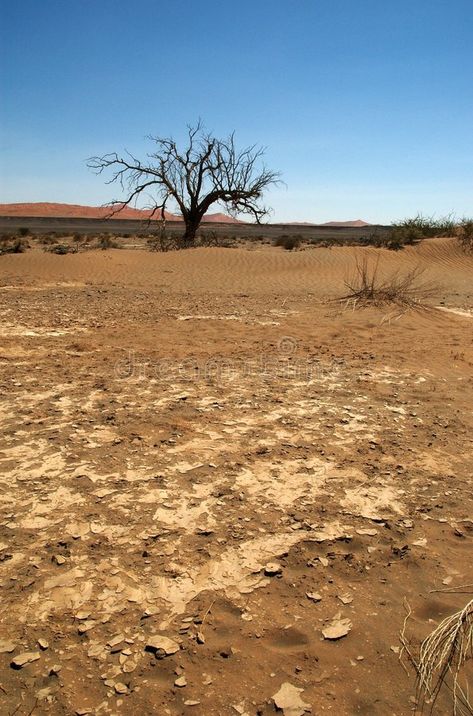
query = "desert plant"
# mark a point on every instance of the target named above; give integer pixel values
(212, 238)
(207, 170)
(106, 242)
(24, 231)
(367, 288)
(465, 234)
(442, 656)
(289, 243)
(60, 249)
(47, 240)
(410, 231)
(13, 245)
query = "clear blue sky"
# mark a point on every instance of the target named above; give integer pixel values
(365, 106)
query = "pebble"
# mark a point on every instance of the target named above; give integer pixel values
(181, 682)
(272, 569)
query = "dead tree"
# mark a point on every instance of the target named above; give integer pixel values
(206, 171)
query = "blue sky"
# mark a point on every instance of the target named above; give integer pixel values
(366, 107)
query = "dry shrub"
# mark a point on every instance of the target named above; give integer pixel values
(367, 288)
(289, 243)
(443, 654)
(162, 241)
(13, 245)
(442, 660)
(465, 234)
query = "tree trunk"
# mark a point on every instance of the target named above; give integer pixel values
(192, 224)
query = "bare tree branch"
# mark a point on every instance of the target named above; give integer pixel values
(208, 170)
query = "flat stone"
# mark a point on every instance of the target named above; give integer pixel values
(272, 569)
(26, 657)
(288, 700)
(162, 645)
(337, 629)
(6, 646)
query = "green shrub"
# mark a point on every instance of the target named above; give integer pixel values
(411, 231)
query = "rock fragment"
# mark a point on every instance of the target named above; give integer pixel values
(162, 646)
(288, 700)
(337, 629)
(272, 569)
(7, 646)
(26, 657)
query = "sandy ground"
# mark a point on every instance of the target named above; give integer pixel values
(201, 446)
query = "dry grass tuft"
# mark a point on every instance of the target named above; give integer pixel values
(442, 657)
(367, 288)
(441, 661)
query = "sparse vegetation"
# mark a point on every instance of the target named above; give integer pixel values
(410, 231)
(289, 243)
(465, 234)
(442, 657)
(13, 245)
(24, 231)
(60, 249)
(368, 288)
(162, 241)
(48, 239)
(106, 242)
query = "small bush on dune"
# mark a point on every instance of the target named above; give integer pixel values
(465, 234)
(211, 238)
(48, 240)
(13, 245)
(411, 231)
(60, 249)
(289, 243)
(162, 241)
(106, 242)
(367, 288)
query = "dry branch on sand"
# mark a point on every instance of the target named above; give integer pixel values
(441, 661)
(367, 288)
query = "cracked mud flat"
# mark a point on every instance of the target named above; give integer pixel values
(163, 445)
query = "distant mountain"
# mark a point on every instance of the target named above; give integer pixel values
(347, 224)
(221, 218)
(341, 224)
(51, 209)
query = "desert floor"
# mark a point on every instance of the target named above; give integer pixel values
(173, 424)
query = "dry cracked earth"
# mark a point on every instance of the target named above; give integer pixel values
(215, 502)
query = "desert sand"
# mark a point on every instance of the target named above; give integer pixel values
(206, 458)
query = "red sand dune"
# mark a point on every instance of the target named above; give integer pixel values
(357, 222)
(45, 209)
